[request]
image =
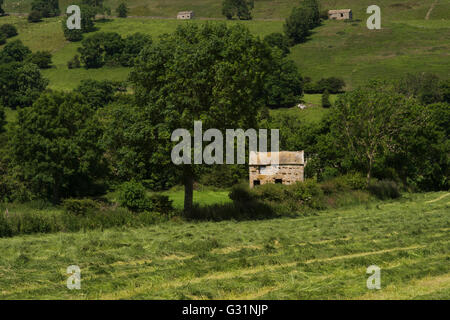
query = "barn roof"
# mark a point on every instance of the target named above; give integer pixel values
(340, 11)
(284, 157)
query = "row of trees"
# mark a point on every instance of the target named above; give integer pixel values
(67, 144)
(111, 49)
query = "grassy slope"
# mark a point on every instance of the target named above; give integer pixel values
(323, 256)
(407, 42)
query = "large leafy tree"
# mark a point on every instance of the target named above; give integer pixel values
(210, 73)
(14, 51)
(367, 121)
(302, 19)
(55, 144)
(21, 84)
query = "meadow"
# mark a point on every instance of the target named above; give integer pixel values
(344, 49)
(323, 256)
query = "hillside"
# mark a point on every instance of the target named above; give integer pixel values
(407, 42)
(264, 9)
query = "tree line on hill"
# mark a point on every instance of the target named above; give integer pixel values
(84, 142)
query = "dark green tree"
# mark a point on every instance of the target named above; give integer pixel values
(35, 16)
(278, 40)
(240, 8)
(122, 10)
(2, 12)
(211, 73)
(2, 119)
(55, 143)
(132, 46)
(283, 83)
(326, 99)
(46, 8)
(2, 38)
(9, 30)
(298, 24)
(14, 51)
(97, 93)
(43, 59)
(21, 84)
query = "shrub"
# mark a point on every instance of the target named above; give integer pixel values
(309, 193)
(161, 204)
(326, 99)
(241, 193)
(74, 63)
(132, 195)
(80, 207)
(384, 189)
(344, 183)
(122, 10)
(9, 30)
(34, 16)
(43, 59)
(2, 38)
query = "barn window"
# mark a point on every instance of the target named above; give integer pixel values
(256, 182)
(279, 181)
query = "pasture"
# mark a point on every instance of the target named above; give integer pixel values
(323, 256)
(343, 49)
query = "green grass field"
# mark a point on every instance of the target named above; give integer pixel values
(317, 257)
(406, 43)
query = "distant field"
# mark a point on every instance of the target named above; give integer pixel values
(317, 257)
(347, 50)
(264, 9)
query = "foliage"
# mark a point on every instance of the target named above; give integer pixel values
(74, 63)
(384, 189)
(97, 93)
(133, 196)
(122, 10)
(225, 70)
(326, 99)
(109, 48)
(278, 40)
(14, 51)
(2, 118)
(302, 19)
(240, 8)
(22, 83)
(35, 16)
(332, 84)
(426, 87)
(283, 84)
(2, 38)
(43, 59)
(45, 8)
(80, 207)
(9, 30)
(55, 145)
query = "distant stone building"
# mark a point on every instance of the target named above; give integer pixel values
(185, 15)
(344, 14)
(289, 170)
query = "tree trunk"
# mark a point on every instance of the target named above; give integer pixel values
(188, 177)
(369, 171)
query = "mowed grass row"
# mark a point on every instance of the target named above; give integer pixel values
(317, 257)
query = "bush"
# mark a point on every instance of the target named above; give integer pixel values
(344, 183)
(132, 195)
(34, 16)
(161, 204)
(74, 63)
(326, 99)
(2, 38)
(384, 189)
(309, 194)
(9, 30)
(43, 59)
(80, 207)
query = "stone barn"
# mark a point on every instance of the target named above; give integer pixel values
(343, 14)
(185, 15)
(290, 168)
